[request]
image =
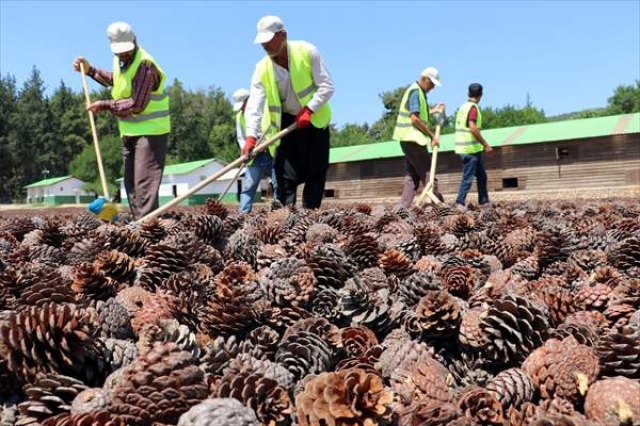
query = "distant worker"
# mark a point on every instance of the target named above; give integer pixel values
(414, 132)
(141, 105)
(296, 86)
(256, 166)
(470, 144)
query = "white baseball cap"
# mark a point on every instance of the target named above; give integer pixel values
(268, 26)
(122, 37)
(239, 96)
(433, 74)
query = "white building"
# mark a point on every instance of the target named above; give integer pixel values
(58, 190)
(177, 179)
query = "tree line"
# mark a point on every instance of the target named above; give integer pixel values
(49, 136)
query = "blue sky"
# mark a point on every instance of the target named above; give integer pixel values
(567, 55)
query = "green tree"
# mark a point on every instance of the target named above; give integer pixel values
(8, 107)
(382, 130)
(351, 134)
(510, 115)
(625, 99)
(85, 165)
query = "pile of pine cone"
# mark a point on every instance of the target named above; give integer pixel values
(518, 314)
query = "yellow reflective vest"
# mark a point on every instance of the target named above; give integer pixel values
(155, 118)
(405, 131)
(466, 143)
(301, 73)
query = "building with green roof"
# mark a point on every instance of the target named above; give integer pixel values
(58, 190)
(582, 153)
(177, 179)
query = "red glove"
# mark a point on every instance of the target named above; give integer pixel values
(304, 118)
(249, 144)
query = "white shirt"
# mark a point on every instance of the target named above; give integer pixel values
(290, 103)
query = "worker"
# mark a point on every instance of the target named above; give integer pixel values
(293, 84)
(260, 163)
(470, 145)
(141, 104)
(413, 132)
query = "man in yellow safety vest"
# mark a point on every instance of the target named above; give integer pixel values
(470, 145)
(141, 104)
(291, 84)
(413, 132)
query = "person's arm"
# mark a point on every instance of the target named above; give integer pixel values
(255, 106)
(475, 131)
(102, 77)
(145, 81)
(322, 79)
(414, 110)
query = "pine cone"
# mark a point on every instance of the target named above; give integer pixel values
(96, 418)
(512, 387)
(561, 303)
(625, 254)
(218, 354)
(439, 314)
(120, 352)
(402, 353)
(512, 328)
(481, 406)
(394, 262)
(219, 412)
(428, 237)
(214, 207)
(426, 378)
(133, 298)
(551, 247)
(458, 280)
(357, 340)
(245, 363)
(48, 395)
(364, 250)
(305, 353)
(360, 306)
(161, 261)
(375, 279)
(115, 265)
(619, 351)
(562, 369)
(471, 335)
(115, 321)
(121, 239)
(528, 268)
(51, 339)
(289, 282)
(349, 398)
(427, 411)
(37, 287)
(329, 270)
(325, 304)
(261, 343)
(92, 282)
(592, 297)
(614, 401)
(270, 402)
(158, 386)
(207, 228)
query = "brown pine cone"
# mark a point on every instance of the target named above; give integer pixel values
(268, 254)
(428, 237)
(116, 265)
(158, 386)
(214, 207)
(416, 285)
(471, 335)
(270, 402)
(614, 402)
(426, 378)
(349, 398)
(563, 369)
(245, 363)
(357, 340)
(512, 328)
(261, 343)
(305, 353)
(459, 280)
(439, 314)
(619, 351)
(482, 406)
(512, 387)
(394, 262)
(92, 282)
(48, 395)
(160, 262)
(402, 352)
(592, 296)
(560, 302)
(96, 418)
(52, 339)
(364, 250)
(427, 411)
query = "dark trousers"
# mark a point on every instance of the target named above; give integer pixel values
(302, 157)
(143, 158)
(418, 167)
(472, 166)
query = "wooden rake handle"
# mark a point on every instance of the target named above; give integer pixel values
(94, 133)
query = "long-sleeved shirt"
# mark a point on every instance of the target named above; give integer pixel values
(290, 103)
(240, 132)
(145, 81)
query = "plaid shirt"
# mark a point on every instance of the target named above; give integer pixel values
(145, 81)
